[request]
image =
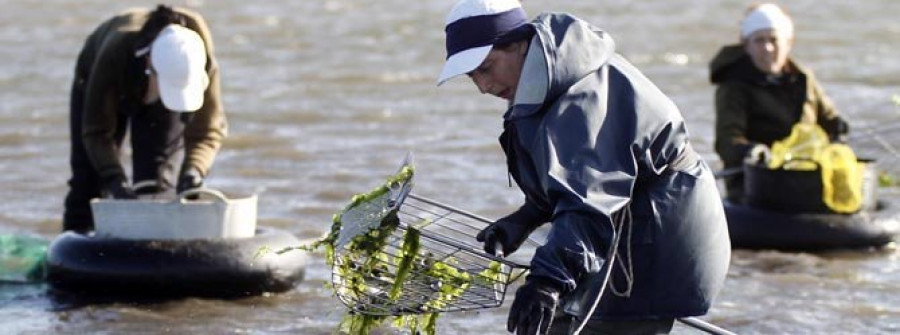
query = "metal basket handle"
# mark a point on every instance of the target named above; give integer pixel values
(218, 195)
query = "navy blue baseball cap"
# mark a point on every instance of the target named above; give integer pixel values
(472, 28)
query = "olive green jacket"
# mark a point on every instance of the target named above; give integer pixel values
(752, 108)
(106, 68)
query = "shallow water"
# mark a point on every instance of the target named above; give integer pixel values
(324, 99)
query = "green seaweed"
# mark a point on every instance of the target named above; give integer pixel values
(364, 257)
(452, 282)
(492, 275)
(886, 180)
(360, 324)
(407, 256)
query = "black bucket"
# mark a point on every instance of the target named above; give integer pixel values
(799, 191)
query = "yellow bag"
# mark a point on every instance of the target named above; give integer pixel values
(841, 178)
(807, 148)
(801, 149)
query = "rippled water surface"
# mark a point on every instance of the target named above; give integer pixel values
(324, 99)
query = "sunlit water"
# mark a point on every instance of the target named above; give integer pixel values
(324, 99)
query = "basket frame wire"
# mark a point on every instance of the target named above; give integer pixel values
(446, 234)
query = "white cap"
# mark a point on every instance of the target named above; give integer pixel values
(472, 26)
(178, 55)
(767, 16)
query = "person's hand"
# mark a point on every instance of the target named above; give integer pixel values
(837, 129)
(508, 233)
(533, 308)
(512, 230)
(118, 188)
(759, 154)
(840, 132)
(191, 178)
(842, 126)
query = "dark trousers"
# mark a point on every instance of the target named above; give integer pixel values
(734, 188)
(157, 144)
(566, 325)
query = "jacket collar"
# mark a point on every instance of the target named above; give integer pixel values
(533, 83)
(563, 51)
(732, 63)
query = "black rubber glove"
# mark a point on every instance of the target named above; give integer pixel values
(511, 230)
(837, 129)
(842, 126)
(842, 129)
(190, 178)
(532, 310)
(118, 188)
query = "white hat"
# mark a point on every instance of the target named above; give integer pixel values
(178, 56)
(767, 16)
(472, 27)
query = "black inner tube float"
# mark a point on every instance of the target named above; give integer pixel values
(93, 264)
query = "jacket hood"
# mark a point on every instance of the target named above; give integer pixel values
(563, 50)
(724, 64)
(733, 63)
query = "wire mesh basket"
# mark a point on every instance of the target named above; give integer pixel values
(424, 258)
(398, 254)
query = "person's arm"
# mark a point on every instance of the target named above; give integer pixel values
(99, 119)
(588, 175)
(732, 104)
(826, 114)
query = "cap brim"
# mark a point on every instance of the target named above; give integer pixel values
(187, 98)
(463, 62)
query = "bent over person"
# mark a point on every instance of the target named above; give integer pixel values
(603, 156)
(151, 72)
(762, 92)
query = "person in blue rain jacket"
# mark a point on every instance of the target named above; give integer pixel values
(604, 156)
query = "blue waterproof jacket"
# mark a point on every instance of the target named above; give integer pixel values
(590, 140)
